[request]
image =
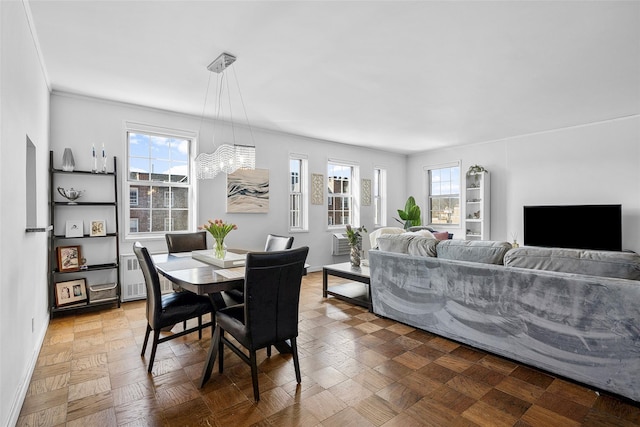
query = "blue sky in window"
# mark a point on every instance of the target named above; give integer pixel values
(158, 154)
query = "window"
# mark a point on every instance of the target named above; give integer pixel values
(342, 194)
(158, 181)
(133, 197)
(444, 195)
(298, 192)
(379, 197)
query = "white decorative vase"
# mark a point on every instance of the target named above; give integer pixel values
(68, 164)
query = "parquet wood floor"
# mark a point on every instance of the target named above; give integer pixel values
(357, 369)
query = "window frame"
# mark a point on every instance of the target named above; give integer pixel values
(379, 196)
(303, 194)
(353, 195)
(429, 197)
(129, 185)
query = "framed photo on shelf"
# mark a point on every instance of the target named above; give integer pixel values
(69, 258)
(71, 292)
(98, 228)
(74, 228)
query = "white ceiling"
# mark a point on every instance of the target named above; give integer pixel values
(406, 76)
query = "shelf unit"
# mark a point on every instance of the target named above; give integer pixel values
(102, 279)
(478, 206)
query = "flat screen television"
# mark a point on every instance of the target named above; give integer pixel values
(574, 226)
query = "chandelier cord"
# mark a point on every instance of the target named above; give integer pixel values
(246, 116)
(204, 107)
(233, 129)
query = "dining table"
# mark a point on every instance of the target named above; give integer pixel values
(202, 278)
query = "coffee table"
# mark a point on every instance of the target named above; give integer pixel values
(356, 291)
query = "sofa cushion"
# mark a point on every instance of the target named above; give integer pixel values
(423, 246)
(397, 243)
(483, 251)
(422, 233)
(373, 236)
(441, 235)
(622, 265)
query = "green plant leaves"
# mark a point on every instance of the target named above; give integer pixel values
(411, 214)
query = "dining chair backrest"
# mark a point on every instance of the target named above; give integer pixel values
(272, 294)
(278, 243)
(152, 282)
(186, 242)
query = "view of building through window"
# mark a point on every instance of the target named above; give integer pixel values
(339, 178)
(444, 195)
(159, 183)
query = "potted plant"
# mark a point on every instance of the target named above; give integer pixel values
(410, 216)
(474, 169)
(219, 230)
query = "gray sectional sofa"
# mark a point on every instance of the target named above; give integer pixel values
(574, 313)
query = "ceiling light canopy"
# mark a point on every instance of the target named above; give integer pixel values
(226, 158)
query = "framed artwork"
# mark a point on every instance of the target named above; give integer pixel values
(74, 228)
(71, 292)
(248, 191)
(98, 228)
(366, 192)
(317, 189)
(68, 258)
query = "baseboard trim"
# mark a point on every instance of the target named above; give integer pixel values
(21, 394)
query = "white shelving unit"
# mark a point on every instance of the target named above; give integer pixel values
(478, 206)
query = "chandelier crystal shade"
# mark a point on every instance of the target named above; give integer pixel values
(226, 158)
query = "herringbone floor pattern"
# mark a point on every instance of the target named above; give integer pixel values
(357, 369)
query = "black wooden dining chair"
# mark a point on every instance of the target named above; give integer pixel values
(278, 243)
(186, 242)
(269, 314)
(274, 243)
(169, 309)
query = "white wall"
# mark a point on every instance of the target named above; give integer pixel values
(597, 163)
(24, 110)
(78, 122)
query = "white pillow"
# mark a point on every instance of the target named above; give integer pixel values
(373, 236)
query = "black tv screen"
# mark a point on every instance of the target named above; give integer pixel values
(574, 226)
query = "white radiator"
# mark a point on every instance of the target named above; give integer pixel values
(340, 244)
(133, 287)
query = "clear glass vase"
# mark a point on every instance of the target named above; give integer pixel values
(219, 248)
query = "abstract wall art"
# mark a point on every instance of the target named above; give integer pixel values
(248, 191)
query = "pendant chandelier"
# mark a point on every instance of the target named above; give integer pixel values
(226, 158)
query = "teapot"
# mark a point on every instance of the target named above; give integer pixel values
(70, 194)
